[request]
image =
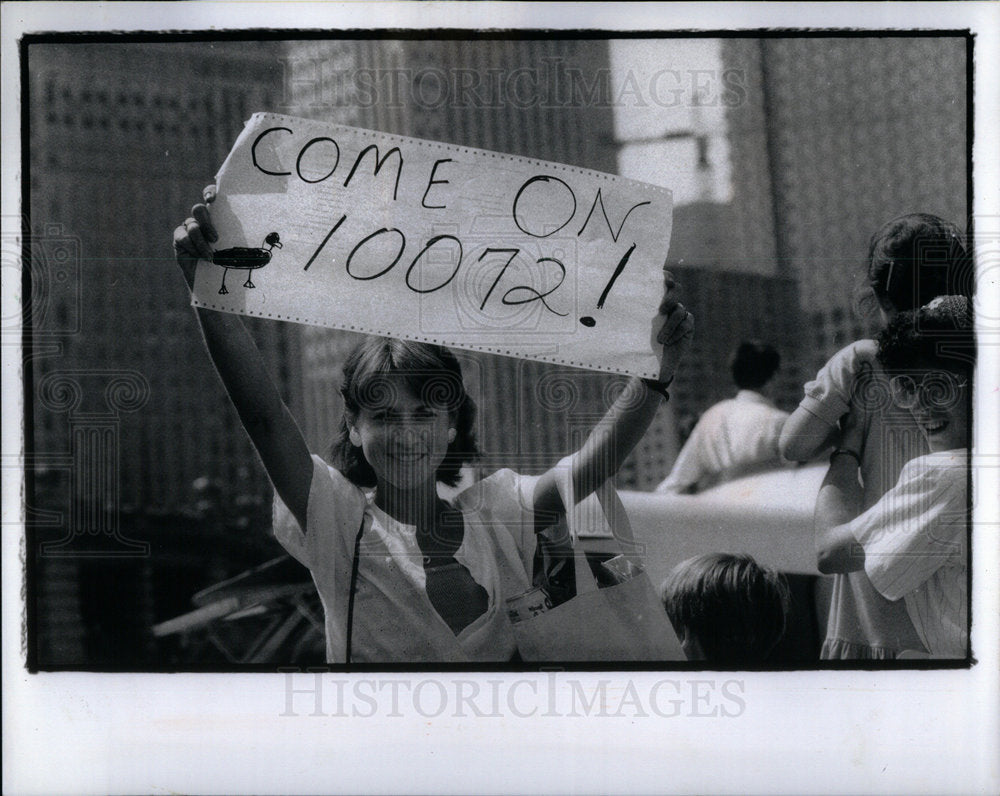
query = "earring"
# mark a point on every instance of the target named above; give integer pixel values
(452, 433)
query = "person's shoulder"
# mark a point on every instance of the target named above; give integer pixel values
(750, 403)
(501, 480)
(723, 407)
(504, 496)
(752, 398)
(329, 476)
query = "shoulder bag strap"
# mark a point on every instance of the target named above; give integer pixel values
(354, 585)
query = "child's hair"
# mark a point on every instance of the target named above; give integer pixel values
(753, 364)
(914, 258)
(429, 371)
(733, 607)
(938, 335)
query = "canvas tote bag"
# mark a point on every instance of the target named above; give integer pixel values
(624, 622)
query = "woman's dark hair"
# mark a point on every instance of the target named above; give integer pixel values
(431, 372)
(735, 608)
(753, 364)
(937, 335)
(914, 258)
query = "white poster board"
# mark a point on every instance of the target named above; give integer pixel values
(360, 230)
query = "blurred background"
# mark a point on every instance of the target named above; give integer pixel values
(784, 156)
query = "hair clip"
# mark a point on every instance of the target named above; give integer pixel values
(888, 278)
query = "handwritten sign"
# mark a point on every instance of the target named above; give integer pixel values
(354, 229)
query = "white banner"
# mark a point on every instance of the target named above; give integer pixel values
(360, 230)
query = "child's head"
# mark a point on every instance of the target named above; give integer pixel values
(726, 609)
(914, 258)
(930, 354)
(753, 364)
(404, 390)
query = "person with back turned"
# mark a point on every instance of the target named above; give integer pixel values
(737, 436)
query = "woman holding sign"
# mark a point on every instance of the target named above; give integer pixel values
(403, 575)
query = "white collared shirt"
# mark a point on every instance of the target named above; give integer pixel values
(733, 438)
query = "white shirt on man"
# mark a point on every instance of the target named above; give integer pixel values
(733, 438)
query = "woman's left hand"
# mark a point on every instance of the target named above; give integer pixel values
(673, 328)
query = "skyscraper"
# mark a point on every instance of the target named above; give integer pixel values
(856, 131)
(132, 429)
(121, 145)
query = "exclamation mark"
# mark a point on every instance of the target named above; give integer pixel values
(587, 320)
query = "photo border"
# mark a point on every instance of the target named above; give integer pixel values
(849, 715)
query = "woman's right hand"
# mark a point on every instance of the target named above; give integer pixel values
(192, 239)
(673, 328)
(267, 421)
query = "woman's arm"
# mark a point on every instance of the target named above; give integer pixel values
(805, 436)
(818, 422)
(614, 437)
(267, 420)
(839, 502)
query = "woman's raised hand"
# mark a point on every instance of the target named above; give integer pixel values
(267, 421)
(673, 328)
(193, 238)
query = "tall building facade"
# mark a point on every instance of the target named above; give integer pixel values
(121, 146)
(706, 139)
(825, 140)
(134, 438)
(856, 131)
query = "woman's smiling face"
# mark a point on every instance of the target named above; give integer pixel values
(403, 437)
(945, 431)
(939, 403)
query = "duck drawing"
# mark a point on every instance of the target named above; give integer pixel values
(245, 257)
